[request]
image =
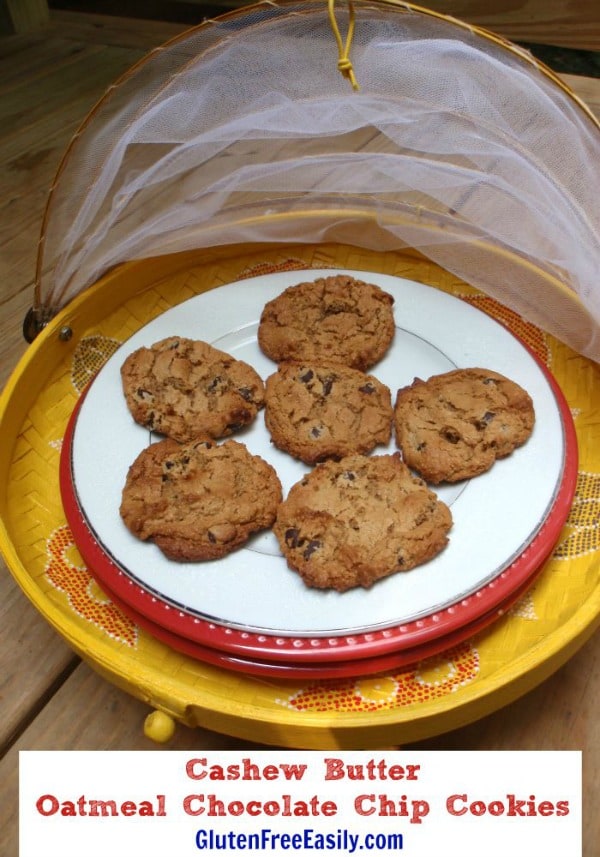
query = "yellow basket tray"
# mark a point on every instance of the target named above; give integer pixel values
(521, 649)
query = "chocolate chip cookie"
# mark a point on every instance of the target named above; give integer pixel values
(315, 411)
(336, 319)
(456, 425)
(352, 522)
(185, 388)
(199, 501)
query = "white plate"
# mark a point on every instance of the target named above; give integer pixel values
(495, 516)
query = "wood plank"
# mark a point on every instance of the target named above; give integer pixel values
(43, 657)
(52, 55)
(88, 714)
(139, 34)
(12, 348)
(42, 106)
(55, 80)
(587, 89)
(33, 138)
(20, 16)
(561, 714)
(551, 22)
(31, 149)
(25, 104)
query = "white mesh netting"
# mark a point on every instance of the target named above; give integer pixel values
(244, 130)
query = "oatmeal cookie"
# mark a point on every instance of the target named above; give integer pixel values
(352, 522)
(316, 411)
(199, 501)
(456, 425)
(185, 388)
(336, 319)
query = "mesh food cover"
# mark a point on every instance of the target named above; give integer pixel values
(243, 129)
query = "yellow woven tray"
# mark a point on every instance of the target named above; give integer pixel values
(482, 674)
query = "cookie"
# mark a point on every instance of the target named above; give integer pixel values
(352, 522)
(199, 501)
(456, 425)
(316, 411)
(185, 388)
(335, 319)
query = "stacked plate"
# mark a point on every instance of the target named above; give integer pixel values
(248, 611)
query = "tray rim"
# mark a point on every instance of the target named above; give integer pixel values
(310, 729)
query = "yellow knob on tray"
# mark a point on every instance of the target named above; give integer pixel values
(159, 727)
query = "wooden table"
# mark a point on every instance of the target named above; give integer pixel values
(51, 700)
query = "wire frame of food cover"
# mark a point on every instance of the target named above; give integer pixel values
(378, 124)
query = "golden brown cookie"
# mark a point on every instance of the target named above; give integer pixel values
(456, 425)
(315, 411)
(199, 501)
(352, 522)
(336, 319)
(185, 388)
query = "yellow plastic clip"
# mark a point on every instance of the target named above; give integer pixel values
(344, 63)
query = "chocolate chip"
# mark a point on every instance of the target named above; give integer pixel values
(203, 444)
(485, 420)
(349, 475)
(245, 393)
(292, 537)
(315, 432)
(241, 418)
(450, 434)
(308, 376)
(367, 388)
(214, 384)
(327, 385)
(311, 547)
(211, 537)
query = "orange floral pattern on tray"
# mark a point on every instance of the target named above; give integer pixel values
(89, 357)
(430, 679)
(534, 337)
(583, 523)
(85, 597)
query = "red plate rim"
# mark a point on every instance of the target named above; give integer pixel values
(357, 668)
(326, 648)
